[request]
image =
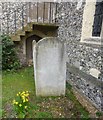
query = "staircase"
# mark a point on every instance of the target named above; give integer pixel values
(20, 19)
(28, 21)
(30, 29)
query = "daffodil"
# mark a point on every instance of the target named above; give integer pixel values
(16, 103)
(22, 96)
(27, 100)
(23, 92)
(25, 107)
(24, 100)
(20, 105)
(27, 95)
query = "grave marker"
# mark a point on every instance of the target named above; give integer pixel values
(49, 58)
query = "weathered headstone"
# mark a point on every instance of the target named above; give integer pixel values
(49, 67)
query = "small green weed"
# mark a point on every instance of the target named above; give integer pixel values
(98, 114)
(43, 115)
(68, 86)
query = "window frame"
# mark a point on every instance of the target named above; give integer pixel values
(87, 24)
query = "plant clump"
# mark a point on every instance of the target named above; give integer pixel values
(9, 57)
(21, 104)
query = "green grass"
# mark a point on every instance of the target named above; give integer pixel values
(23, 80)
(14, 82)
(78, 106)
(43, 115)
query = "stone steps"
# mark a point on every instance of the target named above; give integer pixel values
(19, 33)
(29, 28)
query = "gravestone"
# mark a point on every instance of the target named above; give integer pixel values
(49, 60)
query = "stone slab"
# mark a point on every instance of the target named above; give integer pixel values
(94, 72)
(49, 57)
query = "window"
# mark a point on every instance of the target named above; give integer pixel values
(92, 24)
(98, 17)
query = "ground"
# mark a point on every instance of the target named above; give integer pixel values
(41, 107)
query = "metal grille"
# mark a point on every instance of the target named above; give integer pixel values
(17, 15)
(98, 17)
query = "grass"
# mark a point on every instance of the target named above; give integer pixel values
(78, 106)
(17, 81)
(43, 115)
(41, 107)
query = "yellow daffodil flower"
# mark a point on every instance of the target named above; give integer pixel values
(16, 103)
(23, 92)
(25, 107)
(27, 95)
(20, 105)
(24, 100)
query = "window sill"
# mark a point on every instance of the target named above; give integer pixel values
(92, 41)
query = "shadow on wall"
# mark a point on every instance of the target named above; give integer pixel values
(29, 51)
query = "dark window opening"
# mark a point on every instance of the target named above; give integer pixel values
(98, 17)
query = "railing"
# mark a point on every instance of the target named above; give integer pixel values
(17, 15)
